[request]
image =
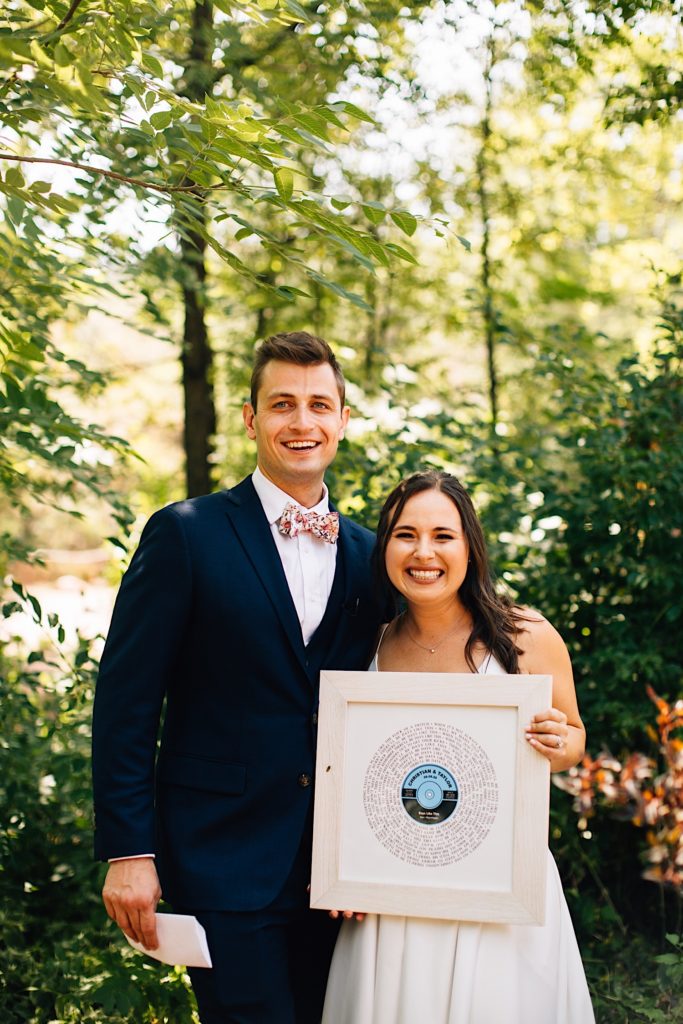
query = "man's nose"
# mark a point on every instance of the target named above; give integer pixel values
(301, 417)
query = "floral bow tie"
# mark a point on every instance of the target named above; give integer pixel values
(293, 521)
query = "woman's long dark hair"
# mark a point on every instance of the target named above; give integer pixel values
(495, 620)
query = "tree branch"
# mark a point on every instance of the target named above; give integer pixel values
(75, 4)
(140, 182)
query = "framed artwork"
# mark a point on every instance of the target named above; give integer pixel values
(429, 801)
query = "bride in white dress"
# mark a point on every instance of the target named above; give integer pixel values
(396, 970)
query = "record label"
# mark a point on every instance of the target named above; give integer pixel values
(429, 794)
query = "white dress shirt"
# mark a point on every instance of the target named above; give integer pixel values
(309, 562)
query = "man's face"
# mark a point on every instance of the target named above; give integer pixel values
(297, 424)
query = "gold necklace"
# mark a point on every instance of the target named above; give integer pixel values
(433, 650)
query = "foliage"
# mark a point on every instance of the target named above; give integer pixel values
(47, 455)
(634, 793)
(60, 957)
(606, 525)
(182, 138)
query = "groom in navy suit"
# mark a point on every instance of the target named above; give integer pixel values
(231, 606)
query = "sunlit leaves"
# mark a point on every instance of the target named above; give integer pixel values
(405, 221)
(284, 182)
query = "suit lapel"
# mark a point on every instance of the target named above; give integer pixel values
(245, 512)
(355, 565)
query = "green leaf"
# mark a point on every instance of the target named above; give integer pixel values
(35, 605)
(268, 5)
(301, 12)
(14, 177)
(62, 56)
(464, 242)
(402, 253)
(313, 124)
(405, 221)
(668, 959)
(243, 233)
(284, 182)
(151, 64)
(39, 55)
(117, 542)
(375, 212)
(161, 119)
(339, 289)
(288, 291)
(340, 202)
(354, 111)
(329, 114)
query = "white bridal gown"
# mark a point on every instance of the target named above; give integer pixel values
(408, 970)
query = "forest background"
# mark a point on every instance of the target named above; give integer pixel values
(479, 205)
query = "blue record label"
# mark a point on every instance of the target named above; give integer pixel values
(429, 794)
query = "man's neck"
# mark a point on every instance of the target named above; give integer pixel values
(305, 493)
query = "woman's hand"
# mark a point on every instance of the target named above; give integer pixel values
(551, 735)
(348, 914)
(548, 733)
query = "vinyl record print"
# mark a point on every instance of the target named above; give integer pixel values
(430, 794)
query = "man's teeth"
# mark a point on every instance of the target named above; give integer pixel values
(424, 574)
(300, 444)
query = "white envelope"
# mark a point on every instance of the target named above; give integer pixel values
(182, 940)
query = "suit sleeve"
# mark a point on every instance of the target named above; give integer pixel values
(149, 621)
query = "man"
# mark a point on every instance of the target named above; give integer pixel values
(232, 605)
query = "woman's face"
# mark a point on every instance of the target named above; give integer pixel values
(426, 555)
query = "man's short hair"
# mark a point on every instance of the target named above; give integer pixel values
(297, 347)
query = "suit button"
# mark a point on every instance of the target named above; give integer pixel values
(304, 780)
(314, 718)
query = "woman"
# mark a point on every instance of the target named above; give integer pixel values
(393, 970)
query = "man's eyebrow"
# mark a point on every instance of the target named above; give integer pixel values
(328, 396)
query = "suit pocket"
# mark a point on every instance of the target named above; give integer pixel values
(202, 773)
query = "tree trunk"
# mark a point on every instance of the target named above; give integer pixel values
(488, 309)
(197, 361)
(197, 356)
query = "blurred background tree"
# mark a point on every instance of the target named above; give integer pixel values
(479, 204)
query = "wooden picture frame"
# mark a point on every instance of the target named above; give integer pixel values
(429, 800)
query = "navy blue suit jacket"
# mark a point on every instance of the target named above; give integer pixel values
(204, 619)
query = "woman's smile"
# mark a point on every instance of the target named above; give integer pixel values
(425, 575)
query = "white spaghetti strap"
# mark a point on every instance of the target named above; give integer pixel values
(375, 660)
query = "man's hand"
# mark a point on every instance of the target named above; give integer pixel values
(131, 892)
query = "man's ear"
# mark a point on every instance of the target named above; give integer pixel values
(248, 414)
(346, 412)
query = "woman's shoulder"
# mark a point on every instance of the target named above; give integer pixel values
(537, 638)
(529, 619)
